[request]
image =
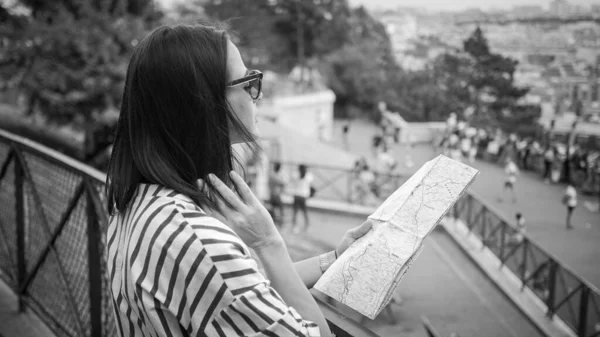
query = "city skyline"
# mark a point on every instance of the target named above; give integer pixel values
(445, 5)
(442, 5)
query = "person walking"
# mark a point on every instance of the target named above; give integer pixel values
(548, 160)
(301, 190)
(511, 170)
(570, 201)
(345, 131)
(277, 182)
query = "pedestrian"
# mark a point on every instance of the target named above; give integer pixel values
(377, 144)
(277, 182)
(364, 186)
(473, 151)
(386, 163)
(570, 201)
(465, 146)
(526, 153)
(520, 233)
(548, 160)
(511, 170)
(345, 130)
(301, 190)
(454, 147)
(396, 135)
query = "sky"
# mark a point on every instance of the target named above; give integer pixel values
(454, 5)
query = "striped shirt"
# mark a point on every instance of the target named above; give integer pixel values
(175, 271)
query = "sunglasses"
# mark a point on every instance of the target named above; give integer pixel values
(252, 84)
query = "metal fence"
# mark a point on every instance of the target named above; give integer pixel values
(52, 241)
(346, 185)
(564, 293)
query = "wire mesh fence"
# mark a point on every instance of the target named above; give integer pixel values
(53, 222)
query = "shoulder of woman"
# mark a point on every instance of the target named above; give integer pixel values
(216, 236)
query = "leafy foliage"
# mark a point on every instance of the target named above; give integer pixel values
(348, 46)
(473, 79)
(69, 57)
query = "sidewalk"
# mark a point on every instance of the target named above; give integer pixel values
(540, 204)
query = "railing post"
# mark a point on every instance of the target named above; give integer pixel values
(350, 185)
(583, 311)
(483, 233)
(20, 213)
(551, 287)
(502, 243)
(470, 210)
(524, 268)
(455, 211)
(94, 264)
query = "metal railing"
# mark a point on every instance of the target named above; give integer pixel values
(52, 241)
(340, 184)
(564, 293)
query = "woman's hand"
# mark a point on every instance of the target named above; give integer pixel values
(353, 235)
(244, 213)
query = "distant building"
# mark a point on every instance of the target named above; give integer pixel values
(587, 37)
(526, 12)
(560, 8)
(576, 88)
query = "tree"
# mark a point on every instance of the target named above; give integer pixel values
(362, 72)
(69, 57)
(491, 79)
(279, 34)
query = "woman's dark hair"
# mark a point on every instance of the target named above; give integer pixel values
(173, 123)
(276, 166)
(302, 169)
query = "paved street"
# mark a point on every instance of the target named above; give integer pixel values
(442, 284)
(541, 205)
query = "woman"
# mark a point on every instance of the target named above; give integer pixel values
(301, 191)
(179, 237)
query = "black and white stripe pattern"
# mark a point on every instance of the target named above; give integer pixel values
(177, 272)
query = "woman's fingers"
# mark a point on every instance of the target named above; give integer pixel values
(362, 229)
(240, 185)
(226, 193)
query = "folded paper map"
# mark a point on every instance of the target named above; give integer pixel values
(366, 275)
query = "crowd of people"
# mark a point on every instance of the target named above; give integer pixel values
(575, 165)
(548, 157)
